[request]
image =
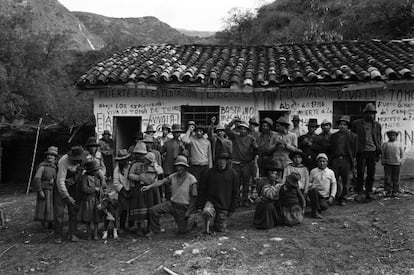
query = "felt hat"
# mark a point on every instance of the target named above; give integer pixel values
(313, 122)
(139, 135)
(281, 120)
(267, 120)
(198, 127)
(252, 121)
(91, 142)
(181, 160)
(219, 128)
(223, 155)
(140, 148)
(166, 126)
(370, 108)
(92, 165)
(150, 129)
(295, 117)
(122, 154)
(148, 139)
(244, 124)
(176, 128)
(392, 131)
(345, 118)
(76, 153)
(52, 150)
(293, 179)
(322, 155)
(295, 153)
(106, 132)
(150, 156)
(325, 121)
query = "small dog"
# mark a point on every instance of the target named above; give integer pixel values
(109, 207)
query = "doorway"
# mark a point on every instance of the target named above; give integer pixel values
(125, 129)
(274, 115)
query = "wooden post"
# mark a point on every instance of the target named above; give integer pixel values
(34, 156)
(1, 155)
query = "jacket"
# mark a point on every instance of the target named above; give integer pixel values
(358, 128)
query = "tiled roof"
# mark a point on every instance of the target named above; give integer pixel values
(257, 66)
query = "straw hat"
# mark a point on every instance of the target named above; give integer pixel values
(140, 148)
(52, 150)
(267, 120)
(122, 154)
(345, 118)
(243, 124)
(325, 122)
(181, 160)
(370, 108)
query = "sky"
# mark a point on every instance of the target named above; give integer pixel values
(200, 15)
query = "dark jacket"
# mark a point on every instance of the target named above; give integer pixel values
(358, 128)
(350, 145)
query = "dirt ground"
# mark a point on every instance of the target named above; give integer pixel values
(369, 238)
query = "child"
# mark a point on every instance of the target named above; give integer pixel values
(109, 206)
(90, 190)
(44, 182)
(297, 167)
(291, 200)
(392, 158)
(322, 186)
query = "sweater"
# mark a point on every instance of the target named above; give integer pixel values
(392, 153)
(324, 181)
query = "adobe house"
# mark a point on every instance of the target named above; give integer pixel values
(159, 84)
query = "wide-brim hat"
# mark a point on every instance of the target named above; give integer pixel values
(252, 121)
(176, 128)
(200, 128)
(325, 122)
(392, 131)
(76, 153)
(140, 148)
(191, 122)
(52, 150)
(166, 126)
(267, 120)
(219, 128)
(106, 132)
(345, 118)
(92, 165)
(283, 121)
(181, 160)
(91, 142)
(223, 155)
(122, 154)
(237, 119)
(313, 122)
(150, 129)
(150, 157)
(243, 124)
(370, 108)
(295, 153)
(148, 139)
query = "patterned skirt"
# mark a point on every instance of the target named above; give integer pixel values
(141, 202)
(88, 211)
(44, 208)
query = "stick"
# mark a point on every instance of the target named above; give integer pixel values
(169, 271)
(5, 251)
(133, 259)
(34, 156)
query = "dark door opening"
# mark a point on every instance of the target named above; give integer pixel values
(125, 129)
(274, 115)
(354, 109)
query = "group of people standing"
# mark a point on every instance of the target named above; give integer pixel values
(214, 169)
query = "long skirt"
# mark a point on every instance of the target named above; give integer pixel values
(44, 208)
(88, 211)
(141, 202)
(267, 215)
(292, 214)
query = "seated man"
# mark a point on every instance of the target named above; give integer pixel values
(183, 198)
(220, 193)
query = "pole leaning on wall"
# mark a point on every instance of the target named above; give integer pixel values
(34, 156)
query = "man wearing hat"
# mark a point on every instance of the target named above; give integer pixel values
(218, 139)
(253, 124)
(296, 128)
(308, 144)
(183, 198)
(322, 186)
(343, 152)
(368, 150)
(149, 143)
(243, 156)
(139, 137)
(169, 152)
(166, 130)
(324, 138)
(219, 194)
(151, 132)
(200, 152)
(284, 143)
(107, 151)
(265, 139)
(68, 175)
(91, 147)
